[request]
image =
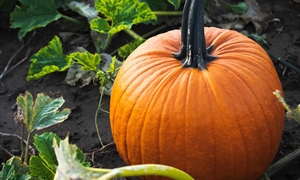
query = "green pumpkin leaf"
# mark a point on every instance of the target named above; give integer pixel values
(175, 3)
(19, 166)
(70, 162)
(239, 8)
(44, 166)
(127, 49)
(48, 60)
(32, 15)
(87, 60)
(39, 169)
(100, 25)
(122, 14)
(14, 169)
(8, 172)
(112, 65)
(43, 112)
(80, 157)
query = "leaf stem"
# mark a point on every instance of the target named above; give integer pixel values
(96, 117)
(73, 20)
(154, 31)
(272, 55)
(96, 170)
(277, 93)
(22, 142)
(283, 162)
(167, 13)
(133, 34)
(266, 177)
(107, 43)
(193, 52)
(26, 159)
(146, 170)
(291, 113)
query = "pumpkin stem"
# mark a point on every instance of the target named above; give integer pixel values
(193, 52)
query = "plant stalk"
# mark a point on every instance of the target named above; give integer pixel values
(266, 177)
(272, 55)
(72, 20)
(107, 43)
(22, 143)
(96, 117)
(283, 162)
(154, 31)
(145, 36)
(26, 159)
(193, 52)
(167, 13)
(133, 34)
(146, 170)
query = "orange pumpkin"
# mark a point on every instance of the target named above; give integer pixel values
(217, 121)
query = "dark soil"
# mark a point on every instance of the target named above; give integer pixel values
(84, 101)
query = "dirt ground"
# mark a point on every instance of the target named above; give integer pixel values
(283, 37)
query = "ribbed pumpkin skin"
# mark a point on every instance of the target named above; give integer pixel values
(222, 123)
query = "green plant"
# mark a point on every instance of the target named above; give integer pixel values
(83, 66)
(88, 64)
(291, 113)
(70, 168)
(33, 14)
(119, 15)
(56, 158)
(207, 110)
(41, 166)
(115, 16)
(239, 8)
(38, 114)
(287, 159)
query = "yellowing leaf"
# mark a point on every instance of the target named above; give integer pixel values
(69, 167)
(47, 60)
(100, 25)
(127, 49)
(39, 168)
(43, 112)
(291, 113)
(87, 60)
(13, 169)
(122, 13)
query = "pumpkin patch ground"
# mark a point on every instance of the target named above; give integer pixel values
(283, 37)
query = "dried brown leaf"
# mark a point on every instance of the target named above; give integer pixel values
(259, 17)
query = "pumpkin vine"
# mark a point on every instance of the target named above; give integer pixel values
(193, 52)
